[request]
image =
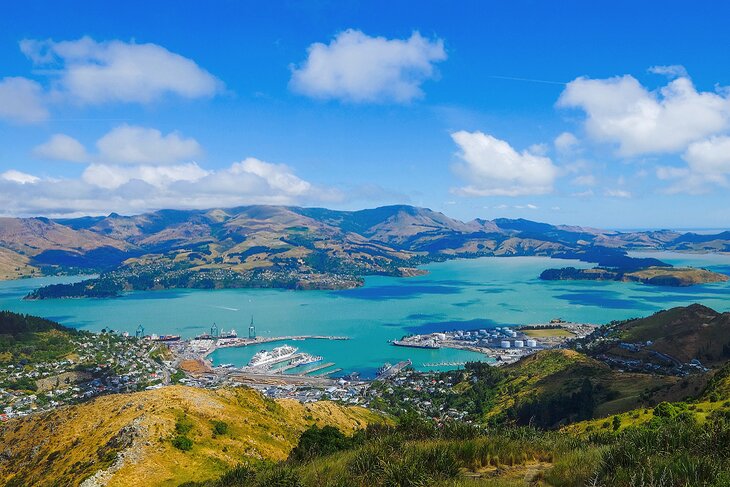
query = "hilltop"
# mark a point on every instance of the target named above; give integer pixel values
(682, 338)
(294, 247)
(129, 439)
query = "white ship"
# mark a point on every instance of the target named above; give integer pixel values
(278, 354)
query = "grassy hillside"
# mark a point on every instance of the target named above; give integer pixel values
(129, 439)
(32, 339)
(682, 334)
(673, 449)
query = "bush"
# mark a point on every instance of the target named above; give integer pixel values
(183, 425)
(220, 427)
(182, 442)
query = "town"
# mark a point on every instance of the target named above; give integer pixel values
(109, 362)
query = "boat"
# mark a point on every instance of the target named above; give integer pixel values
(428, 344)
(167, 338)
(229, 334)
(278, 354)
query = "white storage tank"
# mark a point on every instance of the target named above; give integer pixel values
(504, 344)
(513, 334)
(519, 344)
(532, 343)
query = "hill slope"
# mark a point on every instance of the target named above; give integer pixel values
(125, 439)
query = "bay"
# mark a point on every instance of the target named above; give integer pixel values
(458, 294)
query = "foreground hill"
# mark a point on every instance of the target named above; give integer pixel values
(682, 338)
(129, 439)
(277, 246)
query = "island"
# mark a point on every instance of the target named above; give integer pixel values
(656, 275)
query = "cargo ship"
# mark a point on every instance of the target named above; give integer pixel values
(167, 338)
(428, 344)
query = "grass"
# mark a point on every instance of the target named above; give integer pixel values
(547, 332)
(158, 425)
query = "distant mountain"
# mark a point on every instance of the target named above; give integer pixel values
(298, 247)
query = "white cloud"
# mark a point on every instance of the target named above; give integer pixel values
(22, 101)
(708, 165)
(671, 71)
(617, 193)
(565, 142)
(139, 145)
(92, 72)
(18, 177)
(61, 147)
(584, 180)
(492, 167)
(358, 68)
(620, 110)
(134, 189)
(111, 176)
(711, 156)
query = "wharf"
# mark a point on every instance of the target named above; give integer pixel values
(243, 342)
(280, 379)
(326, 373)
(315, 369)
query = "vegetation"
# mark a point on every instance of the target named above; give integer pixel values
(175, 434)
(29, 339)
(674, 449)
(658, 276)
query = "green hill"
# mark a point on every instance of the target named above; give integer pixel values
(32, 339)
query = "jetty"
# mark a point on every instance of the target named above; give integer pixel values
(315, 369)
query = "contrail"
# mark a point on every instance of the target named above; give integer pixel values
(512, 78)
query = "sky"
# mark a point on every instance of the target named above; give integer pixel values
(611, 114)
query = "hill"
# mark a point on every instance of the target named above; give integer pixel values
(547, 389)
(31, 339)
(682, 338)
(656, 275)
(129, 439)
(279, 246)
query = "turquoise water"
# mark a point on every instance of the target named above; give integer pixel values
(460, 294)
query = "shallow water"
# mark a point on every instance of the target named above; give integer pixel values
(459, 294)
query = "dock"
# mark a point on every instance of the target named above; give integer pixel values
(326, 373)
(315, 369)
(244, 342)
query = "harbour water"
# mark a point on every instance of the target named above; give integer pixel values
(459, 294)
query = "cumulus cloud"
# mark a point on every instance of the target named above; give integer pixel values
(139, 145)
(61, 147)
(492, 167)
(708, 166)
(91, 72)
(22, 101)
(358, 68)
(133, 189)
(111, 176)
(18, 177)
(620, 110)
(565, 142)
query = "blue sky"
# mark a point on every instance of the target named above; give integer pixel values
(612, 114)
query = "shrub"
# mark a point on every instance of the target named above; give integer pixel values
(220, 427)
(182, 442)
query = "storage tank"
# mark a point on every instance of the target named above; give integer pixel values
(532, 343)
(504, 344)
(519, 344)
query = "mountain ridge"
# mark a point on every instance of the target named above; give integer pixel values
(290, 246)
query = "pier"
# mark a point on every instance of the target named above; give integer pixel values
(315, 369)
(326, 373)
(244, 342)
